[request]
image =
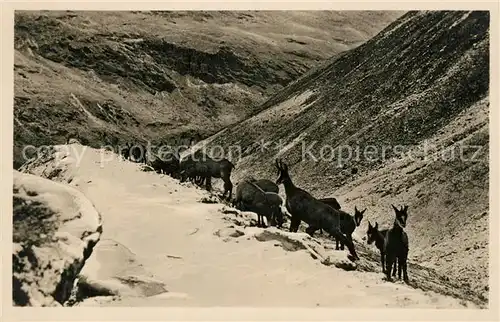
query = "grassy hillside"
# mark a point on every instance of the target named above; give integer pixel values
(401, 119)
(106, 77)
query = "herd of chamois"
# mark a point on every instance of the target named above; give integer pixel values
(261, 196)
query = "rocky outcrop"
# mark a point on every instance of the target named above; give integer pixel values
(55, 228)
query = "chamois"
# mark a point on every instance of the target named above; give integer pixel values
(270, 186)
(201, 165)
(191, 168)
(167, 163)
(332, 202)
(221, 169)
(396, 245)
(194, 171)
(348, 224)
(378, 236)
(135, 153)
(304, 207)
(250, 197)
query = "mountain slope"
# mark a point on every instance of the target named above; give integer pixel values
(107, 77)
(401, 119)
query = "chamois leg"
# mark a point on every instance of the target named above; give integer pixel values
(208, 183)
(262, 222)
(389, 265)
(382, 260)
(294, 224)
(228, 188)
(272, 222)
(230, 192)
(347, 241)
(278, 218)
(404, 263)
(400, 267)
(337, 243)
(265, 223)
(240, 205)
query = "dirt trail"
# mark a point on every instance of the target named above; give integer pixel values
(203, 257)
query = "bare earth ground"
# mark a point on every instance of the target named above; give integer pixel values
(156, 228)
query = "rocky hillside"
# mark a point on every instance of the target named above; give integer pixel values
(401, 119)
(106, 77)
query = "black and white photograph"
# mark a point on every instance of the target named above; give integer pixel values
(251, 158)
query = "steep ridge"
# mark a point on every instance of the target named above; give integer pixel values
(106, 77)
(401, 119)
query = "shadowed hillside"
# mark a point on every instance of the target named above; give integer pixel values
(107, 77)
(401, 119)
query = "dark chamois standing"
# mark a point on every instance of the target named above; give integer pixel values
(348, 224)
(217, 169)
(378, 236)
(250, 197)
(275, 204)
(304, 207)
(396, 244)
(220, 169)
(270, 186)
(192, 167)
(201, 165)
(166, 163)
(135, 153)
(194, 171)
(332, 202)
